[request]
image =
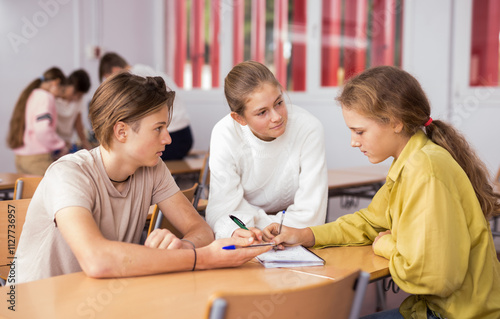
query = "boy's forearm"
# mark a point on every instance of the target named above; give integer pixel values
(201, 235)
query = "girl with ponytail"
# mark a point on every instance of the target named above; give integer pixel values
(431, 218)
(32, 131)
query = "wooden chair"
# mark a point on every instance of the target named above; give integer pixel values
(25, 187)
(159, 221)
(11, 225)
(338, 299)
(200, 199)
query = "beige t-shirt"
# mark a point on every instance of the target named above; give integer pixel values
(80, 180)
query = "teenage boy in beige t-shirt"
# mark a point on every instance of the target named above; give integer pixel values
(89, 211)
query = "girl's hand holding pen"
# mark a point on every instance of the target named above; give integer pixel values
(244, 231)
(252, 232)
(289, 236)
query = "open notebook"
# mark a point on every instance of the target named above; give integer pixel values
(296, 256)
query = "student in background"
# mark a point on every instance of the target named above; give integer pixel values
(430, 219)
(32, 131)
(89, 211)
(179, 128)
(69, 109)
(266, 156)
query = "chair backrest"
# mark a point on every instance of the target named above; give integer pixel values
(153, 212)
(11, 224)
(190, 192)
(204, 182)
(158, 221)
(25, 187)
(329, 299)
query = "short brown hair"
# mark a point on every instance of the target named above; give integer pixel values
(243, 80)
(128, 98)
(108, 61)
(80, 80)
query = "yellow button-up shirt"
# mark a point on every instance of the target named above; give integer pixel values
(440, 248)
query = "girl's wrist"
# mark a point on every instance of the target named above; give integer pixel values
(307, 237)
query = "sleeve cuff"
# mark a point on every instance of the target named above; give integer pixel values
(385, 246)
(322, 236)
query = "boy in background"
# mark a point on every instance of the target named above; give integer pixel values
(69, 110)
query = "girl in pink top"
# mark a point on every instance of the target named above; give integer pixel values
(32, 133)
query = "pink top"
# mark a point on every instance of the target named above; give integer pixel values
(40, 136)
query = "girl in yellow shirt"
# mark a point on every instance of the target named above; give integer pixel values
(430, 219)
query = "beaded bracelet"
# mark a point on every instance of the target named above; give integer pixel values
(194, 250)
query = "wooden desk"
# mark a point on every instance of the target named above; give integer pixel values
(379, 170)
(341, 260)
(8, 182)
(361, 181)
(176, 295)
(189, 165)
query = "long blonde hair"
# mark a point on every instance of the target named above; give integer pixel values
(386, 93)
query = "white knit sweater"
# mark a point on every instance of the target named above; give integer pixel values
(250, 177)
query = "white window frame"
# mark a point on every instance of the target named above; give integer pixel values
(314, 91)
(470, 97)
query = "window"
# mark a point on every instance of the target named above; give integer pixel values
(484, 59)
(354, 35)
(359, 34)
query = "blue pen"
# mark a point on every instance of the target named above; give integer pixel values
(233, 247)
(281, 224)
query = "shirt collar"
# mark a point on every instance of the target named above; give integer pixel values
(416, 142)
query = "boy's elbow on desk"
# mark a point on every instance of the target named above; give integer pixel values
(94, 268)
(100, 264)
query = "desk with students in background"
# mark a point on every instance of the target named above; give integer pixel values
(186, 294)
(176, 295)
(363, 181)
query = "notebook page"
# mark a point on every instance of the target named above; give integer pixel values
(295, 254)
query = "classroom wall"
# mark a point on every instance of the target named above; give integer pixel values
(64, 31)
(34, 50)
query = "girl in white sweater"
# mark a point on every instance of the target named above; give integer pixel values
(265, 157)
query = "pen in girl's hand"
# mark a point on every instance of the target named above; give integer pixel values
(281, 224)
